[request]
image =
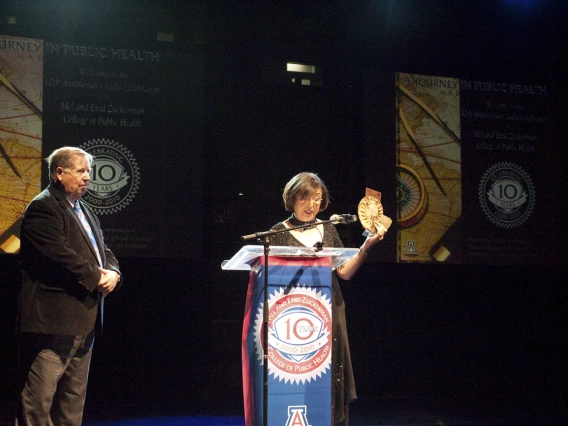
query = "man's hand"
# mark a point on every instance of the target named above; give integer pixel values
(108, 281)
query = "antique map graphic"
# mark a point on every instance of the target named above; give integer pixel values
(21, 82)
(429, 198)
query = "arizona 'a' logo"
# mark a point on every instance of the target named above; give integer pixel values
(411, 249)
(297, 416)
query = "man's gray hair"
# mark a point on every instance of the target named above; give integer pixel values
(64, 157)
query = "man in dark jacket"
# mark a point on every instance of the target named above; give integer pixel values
(67, 270)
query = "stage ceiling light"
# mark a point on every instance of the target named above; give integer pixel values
(294, 67)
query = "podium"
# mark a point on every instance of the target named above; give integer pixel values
(299, 333)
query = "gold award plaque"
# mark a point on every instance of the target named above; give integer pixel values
(370, 212)
(370, 208)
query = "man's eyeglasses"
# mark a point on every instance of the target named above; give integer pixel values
(306, 200)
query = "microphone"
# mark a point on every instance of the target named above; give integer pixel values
(343, 218)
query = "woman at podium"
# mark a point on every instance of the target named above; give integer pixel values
(306, 195)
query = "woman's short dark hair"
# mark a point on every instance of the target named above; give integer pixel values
(303, 185)
(64, 157)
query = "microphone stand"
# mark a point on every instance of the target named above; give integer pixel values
(263, 238)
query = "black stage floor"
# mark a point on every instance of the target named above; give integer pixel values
(369, 412)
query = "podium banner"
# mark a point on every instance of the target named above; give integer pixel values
(299, 342)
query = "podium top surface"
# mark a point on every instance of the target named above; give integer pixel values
(242, 260)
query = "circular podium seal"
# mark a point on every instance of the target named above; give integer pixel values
(299, 334)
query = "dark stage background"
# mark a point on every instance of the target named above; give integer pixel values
(485, 339)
